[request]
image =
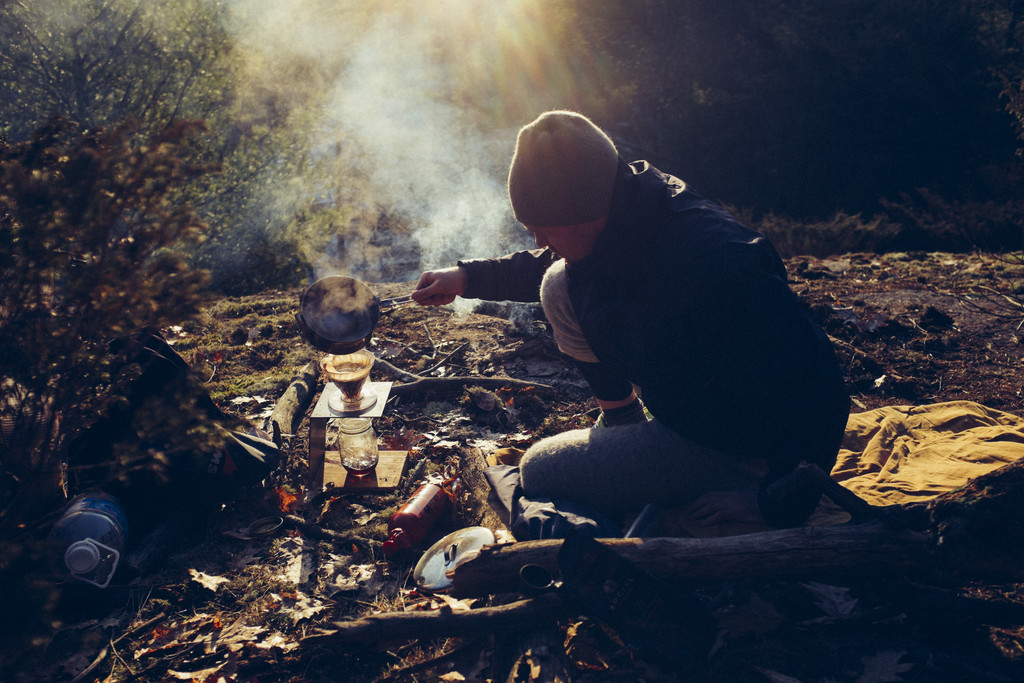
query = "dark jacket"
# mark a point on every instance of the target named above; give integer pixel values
(695, 309)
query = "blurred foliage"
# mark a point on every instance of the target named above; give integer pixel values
(90, 236)
(939, 224)
(98, 62)
(840, 234)
(91, 230)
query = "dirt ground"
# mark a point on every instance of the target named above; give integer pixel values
(233, 604)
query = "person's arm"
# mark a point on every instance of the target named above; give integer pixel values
(514, 277)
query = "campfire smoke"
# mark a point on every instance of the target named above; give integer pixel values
(404, 149)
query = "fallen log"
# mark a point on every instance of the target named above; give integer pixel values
(400, 626)
(974, 532)
(967, 532)
(475, 508)
(979, 528)
(863, 549)
(292, 404)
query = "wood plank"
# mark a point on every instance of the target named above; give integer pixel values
(385, 478)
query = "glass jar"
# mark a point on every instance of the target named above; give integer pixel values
(357, 446)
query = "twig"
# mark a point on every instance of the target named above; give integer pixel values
(428, 663)
(144, 625)
(397, 626)
(441, 362)
(408, 348)
(357, 601)
(440, 383)
(430, 339)
(418, 418)
(121, 659)
(416, 383)
(110, 645)
(395, 372)
(997, 299)
(857, 352)
(1010, 300)
(96, 662)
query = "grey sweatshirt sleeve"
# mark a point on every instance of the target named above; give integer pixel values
(514, 277)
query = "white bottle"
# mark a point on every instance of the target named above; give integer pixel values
(92, 532)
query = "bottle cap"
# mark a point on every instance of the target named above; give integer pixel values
(81, 557)
(399, 540)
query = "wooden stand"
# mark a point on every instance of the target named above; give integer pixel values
(326, 470)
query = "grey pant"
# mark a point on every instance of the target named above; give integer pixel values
(621, 468)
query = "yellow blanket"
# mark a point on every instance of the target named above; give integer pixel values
(899, 455)
(908, 454)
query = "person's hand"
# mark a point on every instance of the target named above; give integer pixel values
(716, 507)
(440, 287)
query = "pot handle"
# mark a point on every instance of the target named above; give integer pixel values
(397, 301)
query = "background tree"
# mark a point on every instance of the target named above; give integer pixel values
(99, 62)
(808, 108)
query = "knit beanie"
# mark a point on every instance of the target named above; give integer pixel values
(563, 171)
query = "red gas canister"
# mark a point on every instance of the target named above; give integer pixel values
(417, 517)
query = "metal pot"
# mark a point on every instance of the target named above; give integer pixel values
(337, 314)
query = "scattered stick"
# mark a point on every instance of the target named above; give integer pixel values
(95, 662)
(428, 663)
(447, 383)
(398, 626)
(419, 383)
(444, 360)
(117, 655)
(433, 346)
(394, 372)
(110, 645)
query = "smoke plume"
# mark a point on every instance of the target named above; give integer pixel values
(407, 147)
